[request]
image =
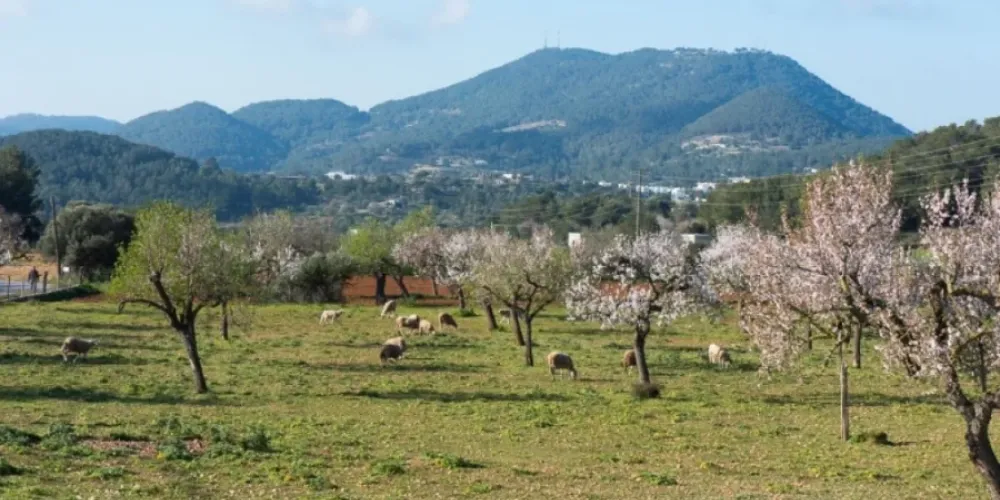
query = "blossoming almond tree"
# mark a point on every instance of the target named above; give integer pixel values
(462, 251)
(824, 275)
(940, 313)
(423, 250)
(725, 266)
(525, 275)
(637, 282)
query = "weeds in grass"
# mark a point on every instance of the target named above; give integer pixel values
(108, 473)
(645, 391)
(61, 436)
(481, 488)
(257, 440)
(173, 449)
(466, 313)
(658, 479)
(11, 436)
(6, 469)
(878, 438)
(389, 467)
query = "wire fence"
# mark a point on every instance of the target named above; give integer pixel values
(17, 287)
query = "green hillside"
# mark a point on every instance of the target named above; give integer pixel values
(199, 130)
(27, 122)
(107, 169)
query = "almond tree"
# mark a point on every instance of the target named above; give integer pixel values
(939, 313)
(423, 250)
(636, 282)
(179, 263)
(462, 250)
(725, 266)
(525, 275)
(824, 275)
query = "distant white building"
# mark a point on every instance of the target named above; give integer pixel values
(574, 239)
(739, 180)
(343, 175)
(697, 238)
(704, 186)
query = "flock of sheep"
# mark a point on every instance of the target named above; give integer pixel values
(394, 348)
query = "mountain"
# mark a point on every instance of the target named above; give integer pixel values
(683, 115)
(88, 166)
(314, 129)
(202, 131)
(27, 122)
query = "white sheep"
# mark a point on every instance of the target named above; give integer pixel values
(718, 355)
(560, 361)
(77, 347)
(505, 316)
(409, 322)
(425, 326)
(330, 315)
(388, 308)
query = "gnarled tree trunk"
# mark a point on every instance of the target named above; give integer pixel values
(191, 346)
(977, 439)
(402, 286)
(845, 416)
(856, 345)
(529, 358)
(639, 344)
(515, 319)
(491, 317)
(225, 320)
(379, 288)
(434, 286)
(461, 299)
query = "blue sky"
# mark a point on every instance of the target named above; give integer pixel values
(923, 62)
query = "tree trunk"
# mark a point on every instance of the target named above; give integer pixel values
(515, 320)
(856, 345)
(809, 336)
(640, 353)
(402, 286)
(977, 439)
(529, 358)
(491, 317)
(461, 299)
(845, 418)
(191, 345)
(225, 320)
(434, 286)
(379, 288)
(982, 372)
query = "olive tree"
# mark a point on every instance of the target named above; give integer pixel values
(637, 282)
(89, 237)
(11, 243)
(179, 263)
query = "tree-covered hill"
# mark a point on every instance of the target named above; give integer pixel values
(27, 122)
(100, 168)
(922, 164)
(199, 130)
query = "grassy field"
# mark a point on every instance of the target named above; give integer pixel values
(299, 410)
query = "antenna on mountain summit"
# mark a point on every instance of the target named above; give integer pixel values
(545, 44)
(558, 34)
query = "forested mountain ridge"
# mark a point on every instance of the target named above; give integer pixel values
(88, 166)
(27, 122)
(558, 114)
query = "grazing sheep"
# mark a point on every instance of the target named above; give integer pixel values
(328, 316)
(388, 308)
(77, 347)
(408, 322)
(628, 360)
(560, 361)
(425, 326)
(400, 341)
(390, 351)
(445, 319)
(718, 355)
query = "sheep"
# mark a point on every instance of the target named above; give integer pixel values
(400, 341)
(447, 319)
(628, 360)
(388, 308)
(328, 316)
(409, 322)
(390, 351)
(425, 326)
(560, 361)
(77, 347)
(718, 355)
(505, 315)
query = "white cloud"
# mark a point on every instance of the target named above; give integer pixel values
(359, 22)
(11, 8)
(451, 12)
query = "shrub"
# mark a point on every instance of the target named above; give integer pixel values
(173, 449)
(6, 469)
(257, 440)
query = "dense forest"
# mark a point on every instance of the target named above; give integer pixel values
(562, 114)
(922, 164)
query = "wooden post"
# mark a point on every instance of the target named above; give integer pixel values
(55, 233)
(8, 287)
(45, 282)
(845, 418)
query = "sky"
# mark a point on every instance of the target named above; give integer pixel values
(924, 63)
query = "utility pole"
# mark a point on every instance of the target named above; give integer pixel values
(638, 206)
(55, 233)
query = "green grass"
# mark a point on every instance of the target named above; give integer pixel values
(300, 410)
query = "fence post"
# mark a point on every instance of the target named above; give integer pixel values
(45, 282)
(8, 287)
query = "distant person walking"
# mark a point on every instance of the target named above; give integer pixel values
(33, 279)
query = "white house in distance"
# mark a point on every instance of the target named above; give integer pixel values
(574, 239)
